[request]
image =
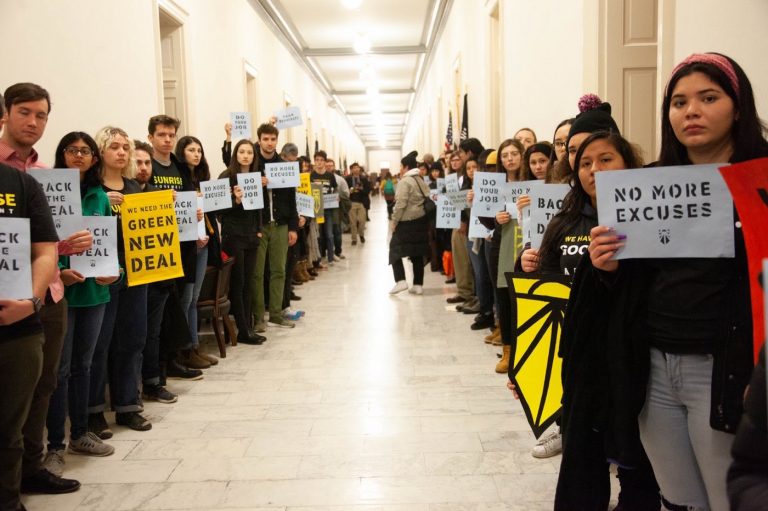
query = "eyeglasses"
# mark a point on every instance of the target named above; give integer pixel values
(559, 144)
(74, 151)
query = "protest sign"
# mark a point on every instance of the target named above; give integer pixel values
(667, 211)
(216, 194)
(186, 215)
(452, 183)
(250, 184)
(476, 229)
(513, 190)
(101, 259)
(487, 187)
(317, 194)
(282, 175)
(458, 199)
(241, 125)
(440, 184)
(546, 201)
(448, 215)
(201, 232)
(305, 205)
(62, 189)
(288, 117)
(305, 184)
(15, 259)
(330, 200)
(150, 235)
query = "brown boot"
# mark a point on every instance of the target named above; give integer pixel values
(190, 359)
(496, 341)
(496, 333)
(503, 365)
(205, 356)
(305, 271)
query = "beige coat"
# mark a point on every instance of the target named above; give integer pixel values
(409, 197)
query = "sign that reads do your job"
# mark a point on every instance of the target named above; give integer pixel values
(668, 211)
(448, 215)
(15, 259)
(488, 188)
(282, 175)
(250, 184)
(241, 125)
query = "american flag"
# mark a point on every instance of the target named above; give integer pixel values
(464, 122)
(449, 132)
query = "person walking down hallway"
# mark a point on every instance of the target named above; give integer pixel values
(359, 190)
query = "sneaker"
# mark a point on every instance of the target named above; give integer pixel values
(291, 314)
(548, 446)
(416, 290)
(54, 462)
(133, 420)
(281, 322)
(90, 445)
(97, 424)
(176, 371)
(339, 256)
(399, 287)
(158, 393)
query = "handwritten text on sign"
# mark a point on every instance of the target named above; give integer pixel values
(62, 189)
(15, 260)
(101, 259)
(186, 215)
(216, 195)
(448, 215)
(668, 211)
(488, 187)
(305, 205)
(546, 201)
(241, 125)
(282, 175)
(288, 117)
(250, 184)
(151, 238)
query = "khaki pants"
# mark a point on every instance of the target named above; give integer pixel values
(357, 219)
(461, 266)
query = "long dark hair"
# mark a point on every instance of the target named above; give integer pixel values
(92, 176)
(234, 165)
(747, 132)
(577, 198)
(526, 174)
(201, 172)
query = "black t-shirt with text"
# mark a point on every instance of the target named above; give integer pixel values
(129, 186)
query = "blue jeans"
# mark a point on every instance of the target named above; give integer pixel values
(74, 379)
(189, 296)
(326, 245)
(157, 295)
(119, 350)
(483, 287)
(689, 458)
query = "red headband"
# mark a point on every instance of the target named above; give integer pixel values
(720, 62)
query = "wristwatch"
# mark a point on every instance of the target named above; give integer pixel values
(37, 303)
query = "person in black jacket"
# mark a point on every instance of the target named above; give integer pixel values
(359, 189)
(683, 327)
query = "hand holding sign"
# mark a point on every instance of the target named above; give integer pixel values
(240, 125)
(216, 194)
(250, 184)
(488, 197)
(282, 175)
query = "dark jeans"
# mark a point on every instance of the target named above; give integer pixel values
(157, 295)
(240, 279)
(21, 361)
(54, 319)
(418, 270)
(337, 236)
(483, 288)
(326, 236)
(190, 294)
(290, 264)
(119, 350)
(83, 327)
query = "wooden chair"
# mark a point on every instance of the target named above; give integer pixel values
(213, 303)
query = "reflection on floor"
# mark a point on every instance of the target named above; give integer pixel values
(372, 403)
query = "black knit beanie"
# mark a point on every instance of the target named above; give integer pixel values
(595, 116)
(409, 160)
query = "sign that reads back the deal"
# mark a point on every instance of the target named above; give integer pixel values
(667, 211)
(282, 175)
(448, 215)
(216, 195)
(250, 184)
(101, 259)
(150, 234)
(546, 202)
(186, 215)
(62, 189)
(488, 188)
(15, 260)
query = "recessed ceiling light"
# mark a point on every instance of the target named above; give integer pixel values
(351, 4)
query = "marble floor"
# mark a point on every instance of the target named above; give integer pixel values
(372, 403)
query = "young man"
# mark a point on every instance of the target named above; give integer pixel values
(322, 177)
(342, 214)
(290, 152)
(359, 188)
(281, 224)
(27, 107)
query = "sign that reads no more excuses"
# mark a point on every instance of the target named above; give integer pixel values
(668, 211)
(250, 184)
(488, 188)
(282, 175)
(216, 194)
(305, 205)
(15, 260)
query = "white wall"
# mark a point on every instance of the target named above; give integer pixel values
(104, 70)
(376, 156)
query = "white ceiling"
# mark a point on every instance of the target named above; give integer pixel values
(374, 89)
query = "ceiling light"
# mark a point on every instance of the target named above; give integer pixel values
(351, 4)
(362, 45)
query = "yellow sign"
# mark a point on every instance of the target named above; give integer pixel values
(151, 238)
(317, 193)
(304, 186)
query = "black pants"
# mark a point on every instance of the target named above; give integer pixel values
(418, 270)
(290, 264)
(242, 274)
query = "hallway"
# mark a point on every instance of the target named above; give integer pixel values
(372, 403)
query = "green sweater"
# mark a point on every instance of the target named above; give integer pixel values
(88, 293)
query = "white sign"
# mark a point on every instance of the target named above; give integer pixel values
(216, 194)
(282, 175)
(668, 211)
(525, 225)
(186, 215)
(452, 183)
(101, 259)
(289, 117)
(459, 199)
(305, 205)
(241, 125)
(250, 184)
(513, 190)
(201, 232)
(15, 259)
(476, 229)
(546, 202)
(488, 188)
(62, 189)
(448, 215)
(330, 200)
(440, 184)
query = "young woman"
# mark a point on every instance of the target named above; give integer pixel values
(526, 136)
(86, 299)
(477, 249)
(388, 190)
(189, 152)
(562, 172)
(686, 322)
(538, 163)
(118, 354)
(409, 227)
(240, 231)
(312, 253)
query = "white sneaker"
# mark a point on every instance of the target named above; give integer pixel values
(416, 290)
(90, 445)
(548, 446)
(399, 287)
(54, 462)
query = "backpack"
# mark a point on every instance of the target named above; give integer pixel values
(389, 187)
